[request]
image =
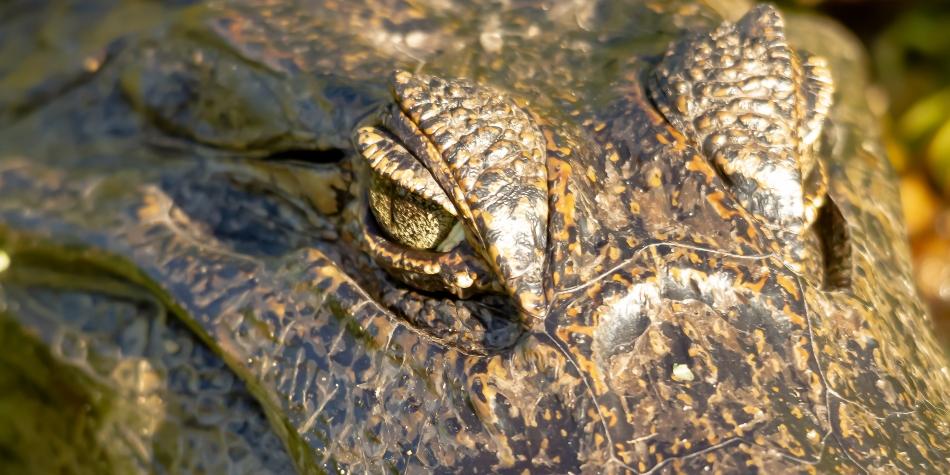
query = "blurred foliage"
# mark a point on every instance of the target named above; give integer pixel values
(909, 46)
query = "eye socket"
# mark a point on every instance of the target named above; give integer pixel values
(407, 202)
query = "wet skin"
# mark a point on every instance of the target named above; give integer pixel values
(609, 237)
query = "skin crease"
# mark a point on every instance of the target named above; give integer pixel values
(682, 244)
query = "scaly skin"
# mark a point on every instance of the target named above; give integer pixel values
(183, 199)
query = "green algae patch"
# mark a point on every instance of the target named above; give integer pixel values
(51, 415)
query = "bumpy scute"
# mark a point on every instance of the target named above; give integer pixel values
(491, 154)
(756, 108)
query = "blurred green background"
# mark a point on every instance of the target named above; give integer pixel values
(909, 46)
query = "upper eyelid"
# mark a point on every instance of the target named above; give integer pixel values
(387, 157)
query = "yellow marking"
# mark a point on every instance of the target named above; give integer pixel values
(846, 424)
(752, 233)
(613, 253)
(788, 285)
(151, 208)
(655, 178)
(591, 369)
(793, 316)
(91, 64)
(715, 199)
(685, 398)
(756, 286)
(696, 259)
(729, 418)
(559, 173)
(803, 356)
(620, 279)
(759, 336)
(682, 104)
(505, 455)
(591, 174)
(699, 164)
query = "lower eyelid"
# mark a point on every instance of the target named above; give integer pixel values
(459, 271)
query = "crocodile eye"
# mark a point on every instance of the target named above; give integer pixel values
(408, 204)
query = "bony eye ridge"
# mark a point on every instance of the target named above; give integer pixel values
(469, 152)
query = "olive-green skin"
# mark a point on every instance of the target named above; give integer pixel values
(194, 285)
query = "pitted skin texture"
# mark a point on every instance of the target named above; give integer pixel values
(633, 293)
(755, 107)
(490, 155)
